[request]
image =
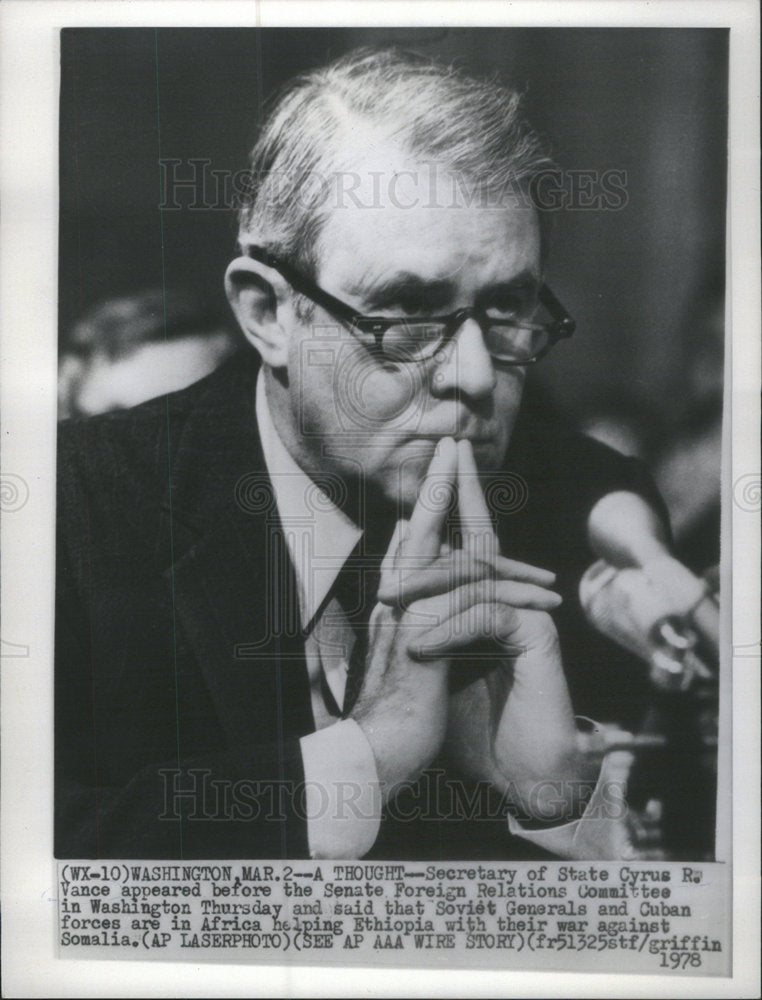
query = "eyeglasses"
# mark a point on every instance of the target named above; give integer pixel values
(510, 340)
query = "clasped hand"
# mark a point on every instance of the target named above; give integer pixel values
(463, 656)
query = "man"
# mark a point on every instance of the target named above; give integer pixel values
(130, 349)
(304, 607)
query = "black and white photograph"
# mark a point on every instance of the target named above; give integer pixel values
(392, 567)
(396, 534)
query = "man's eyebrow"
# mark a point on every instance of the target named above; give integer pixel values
(526, 278)
(402, 282)
(435, 291)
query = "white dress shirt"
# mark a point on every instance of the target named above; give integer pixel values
(342, 793)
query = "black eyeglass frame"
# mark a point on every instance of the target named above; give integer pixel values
(561, 327)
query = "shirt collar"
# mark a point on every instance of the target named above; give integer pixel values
(319, 534)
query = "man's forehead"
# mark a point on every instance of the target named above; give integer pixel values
(433, 219)
(377, 171)
(432, 242)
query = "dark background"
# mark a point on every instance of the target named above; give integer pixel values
(651, 102)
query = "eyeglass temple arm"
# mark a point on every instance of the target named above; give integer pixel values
(564, 325)
(302, 284)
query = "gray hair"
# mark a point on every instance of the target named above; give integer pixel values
(474, 129)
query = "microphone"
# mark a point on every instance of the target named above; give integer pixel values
(643, 598)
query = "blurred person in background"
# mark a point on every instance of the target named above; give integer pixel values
(682, 443)
(127, 350)
(687, 469)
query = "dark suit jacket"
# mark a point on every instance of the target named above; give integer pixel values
(177, 670)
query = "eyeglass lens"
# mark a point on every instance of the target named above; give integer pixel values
(504, 341)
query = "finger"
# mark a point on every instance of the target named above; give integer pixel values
(478, 622)
(388, 578)
(444, 574)
(465, 581)
(484, 610)
(475, 520)
(512, 569)
(469, 488)
(596, 751)
(694, 665)
(454, 568)
(424, 536)
(706, 617)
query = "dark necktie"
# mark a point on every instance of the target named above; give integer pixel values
(355, 589)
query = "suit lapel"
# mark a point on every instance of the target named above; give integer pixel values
(232, 582)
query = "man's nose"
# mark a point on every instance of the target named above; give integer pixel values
(465, 365)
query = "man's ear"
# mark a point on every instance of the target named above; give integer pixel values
(257, 295)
